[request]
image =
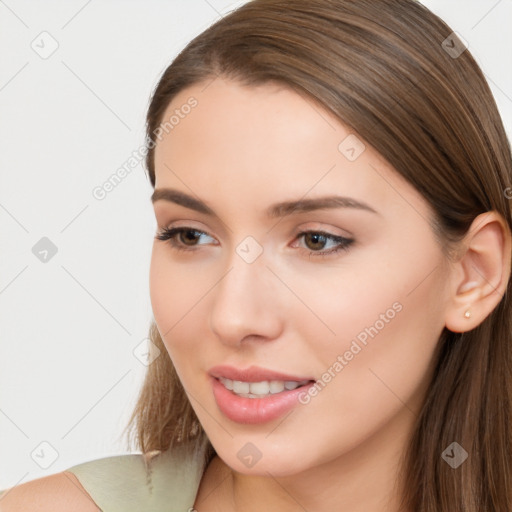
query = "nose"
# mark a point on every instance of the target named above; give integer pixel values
(245, 304)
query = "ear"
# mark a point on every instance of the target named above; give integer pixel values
(480, 274)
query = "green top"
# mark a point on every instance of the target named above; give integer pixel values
(167, 482)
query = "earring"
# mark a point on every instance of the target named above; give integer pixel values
(467, 314)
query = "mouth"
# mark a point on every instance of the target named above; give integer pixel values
(256, 395)
(254, 374)
(261, 389)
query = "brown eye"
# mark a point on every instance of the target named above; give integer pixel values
(184, 238)
(315, 241)
(189, 236)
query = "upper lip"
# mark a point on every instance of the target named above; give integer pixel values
(252, 374)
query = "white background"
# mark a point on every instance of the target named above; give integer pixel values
(68, 375)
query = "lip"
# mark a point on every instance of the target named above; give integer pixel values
(253, 374)
(254, 410)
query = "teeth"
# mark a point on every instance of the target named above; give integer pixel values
(276, 386)
(260, 389)
(241, 387)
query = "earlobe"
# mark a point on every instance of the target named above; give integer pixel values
(481, 273)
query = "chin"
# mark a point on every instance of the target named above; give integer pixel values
(247, 459)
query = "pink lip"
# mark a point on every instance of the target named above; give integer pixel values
(252, 374)
(254, 410)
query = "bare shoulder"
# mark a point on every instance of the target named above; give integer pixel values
(60, 492)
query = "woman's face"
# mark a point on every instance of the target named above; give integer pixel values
(356, 304)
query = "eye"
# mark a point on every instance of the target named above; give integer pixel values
(186, 238)
(182, 238)
(316, 241)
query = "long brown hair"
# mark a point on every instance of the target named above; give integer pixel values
(385, 69)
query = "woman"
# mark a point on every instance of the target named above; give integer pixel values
(373, 377)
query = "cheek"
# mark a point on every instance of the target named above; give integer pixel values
(384, 311)
(176, 295)
(387, 326)
(395, 288)
(163, 286)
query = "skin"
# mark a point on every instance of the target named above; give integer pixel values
(240, 150)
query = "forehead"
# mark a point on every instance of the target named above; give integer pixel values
(226, 108)
(266, 142)
(263, 128)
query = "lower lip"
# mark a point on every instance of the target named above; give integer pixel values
(255, 410)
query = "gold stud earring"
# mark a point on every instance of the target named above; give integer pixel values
(467, 314)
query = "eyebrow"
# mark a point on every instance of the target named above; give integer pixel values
(276, 210)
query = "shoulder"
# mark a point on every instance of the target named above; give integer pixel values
(60, 492)
(130, 482)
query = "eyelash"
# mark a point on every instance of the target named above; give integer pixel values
(168, 234)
